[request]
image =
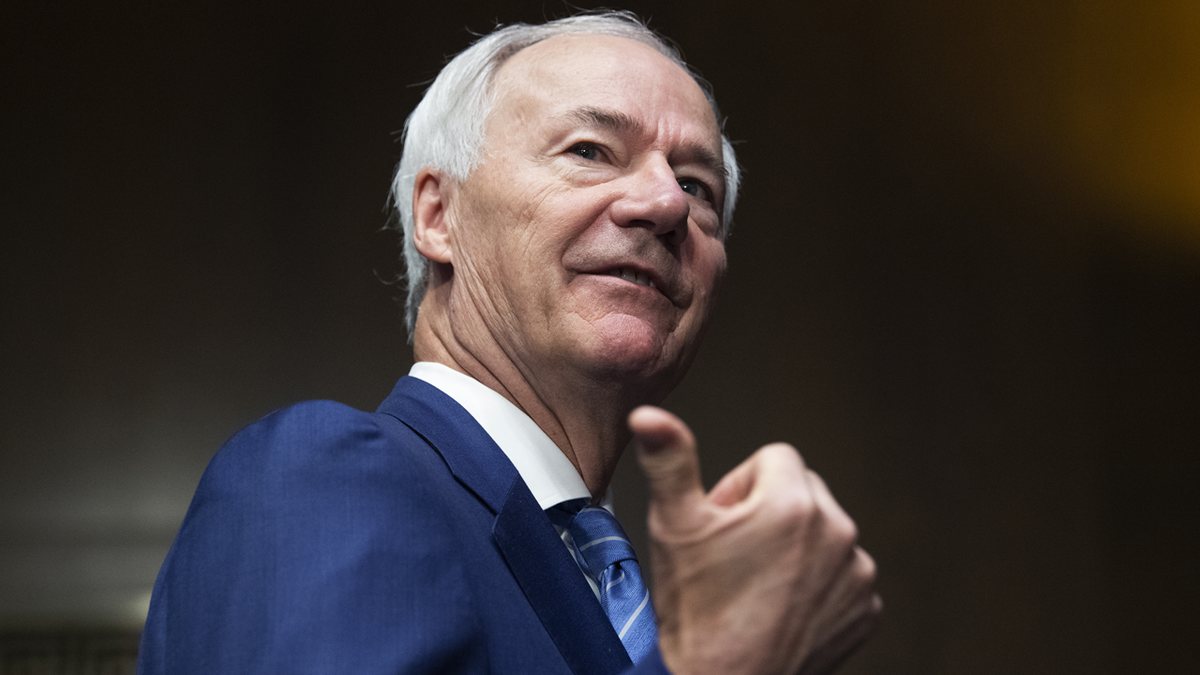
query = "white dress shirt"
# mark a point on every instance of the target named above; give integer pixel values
(547, 472)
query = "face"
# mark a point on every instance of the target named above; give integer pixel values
(589, 238)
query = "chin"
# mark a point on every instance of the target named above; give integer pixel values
(631, 351)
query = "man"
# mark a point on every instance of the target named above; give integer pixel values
(565, 193)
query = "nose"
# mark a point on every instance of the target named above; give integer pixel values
(654, 200)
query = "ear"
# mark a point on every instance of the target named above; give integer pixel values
(431, 227)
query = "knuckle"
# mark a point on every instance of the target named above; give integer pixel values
(866, 567)
(781, 452)
(841, 530)
(794, 506)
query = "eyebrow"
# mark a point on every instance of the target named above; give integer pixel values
(613, 120)
(618, 122)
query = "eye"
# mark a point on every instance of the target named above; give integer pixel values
(694, 187)
(586, 150)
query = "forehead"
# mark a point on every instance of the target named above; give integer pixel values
(568, 72)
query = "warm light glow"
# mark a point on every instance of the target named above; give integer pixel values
(1131, 94)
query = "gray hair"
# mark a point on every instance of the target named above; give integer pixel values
(446, 130)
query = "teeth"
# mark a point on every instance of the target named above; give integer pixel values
(634, 276)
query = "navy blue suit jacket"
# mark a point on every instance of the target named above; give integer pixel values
(324, 539)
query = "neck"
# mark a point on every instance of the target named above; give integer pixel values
(583, 415)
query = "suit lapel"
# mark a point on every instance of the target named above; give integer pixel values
(536, 556)
(473, 457)
(555, 587)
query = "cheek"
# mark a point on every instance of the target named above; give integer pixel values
(511, 258)
(524, 220)
(541, 236)
(708, 261)
(708, 270)
(488, 230)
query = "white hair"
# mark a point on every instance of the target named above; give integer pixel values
(446, 130)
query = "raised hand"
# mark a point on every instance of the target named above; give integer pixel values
(762, 575)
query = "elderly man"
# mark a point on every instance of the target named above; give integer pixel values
(565, 193)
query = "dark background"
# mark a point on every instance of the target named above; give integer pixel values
(964, 282)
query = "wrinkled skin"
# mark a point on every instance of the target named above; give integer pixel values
(573, 272)
(586, 171)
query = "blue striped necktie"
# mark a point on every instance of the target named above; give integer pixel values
(612, 564)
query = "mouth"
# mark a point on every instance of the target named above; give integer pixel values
(632, 275)
(664, 280)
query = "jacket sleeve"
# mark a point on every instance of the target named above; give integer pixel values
(314, 545)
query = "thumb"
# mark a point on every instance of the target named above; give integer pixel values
(666, 450)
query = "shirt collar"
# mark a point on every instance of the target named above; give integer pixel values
(547, 472)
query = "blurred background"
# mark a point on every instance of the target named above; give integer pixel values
(964, 282)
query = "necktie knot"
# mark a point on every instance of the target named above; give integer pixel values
(600, 539)
(611, 562)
